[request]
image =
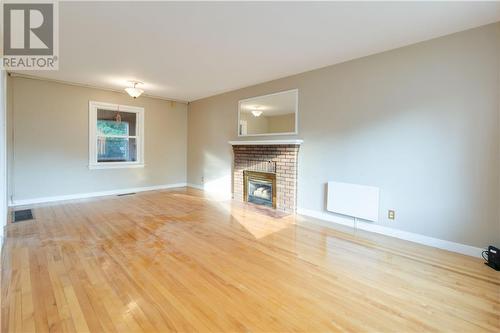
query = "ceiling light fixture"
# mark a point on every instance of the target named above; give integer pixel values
(256, 113)
(134, 91)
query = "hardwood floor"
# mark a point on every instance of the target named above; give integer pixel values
(178, 261)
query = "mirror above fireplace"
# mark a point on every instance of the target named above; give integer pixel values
(273, 114)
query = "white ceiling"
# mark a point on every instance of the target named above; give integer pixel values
(187, 51)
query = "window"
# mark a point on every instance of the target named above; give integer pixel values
(116, 136)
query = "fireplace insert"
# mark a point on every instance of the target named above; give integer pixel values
(260, 188)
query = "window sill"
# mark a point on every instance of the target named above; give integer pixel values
(115, 165)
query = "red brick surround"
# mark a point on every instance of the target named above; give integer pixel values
(278, 158)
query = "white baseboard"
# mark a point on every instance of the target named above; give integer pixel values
(199, 187)
(24, 202)
(409, 236)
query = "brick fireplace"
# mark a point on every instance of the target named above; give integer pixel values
(260, 165)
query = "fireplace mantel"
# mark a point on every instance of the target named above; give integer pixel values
(266, 142)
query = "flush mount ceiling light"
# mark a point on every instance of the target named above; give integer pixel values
(134, 91)
(256, 113)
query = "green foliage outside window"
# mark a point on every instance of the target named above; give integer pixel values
(111, 127)
(111, 148)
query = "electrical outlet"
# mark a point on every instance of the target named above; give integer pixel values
(202, 179)
(391, 214)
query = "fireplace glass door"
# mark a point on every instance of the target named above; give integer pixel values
(259, 188)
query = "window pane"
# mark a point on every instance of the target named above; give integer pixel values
(111, 127)
(116, 123)
(116, 149)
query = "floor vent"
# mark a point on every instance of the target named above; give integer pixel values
(22, 215)
(121, 195)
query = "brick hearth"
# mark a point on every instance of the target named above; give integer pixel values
(278, 158)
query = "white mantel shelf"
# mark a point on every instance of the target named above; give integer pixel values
(266, 142)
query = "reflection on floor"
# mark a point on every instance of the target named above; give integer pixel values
(177, 261)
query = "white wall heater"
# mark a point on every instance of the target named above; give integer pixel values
(358, 201)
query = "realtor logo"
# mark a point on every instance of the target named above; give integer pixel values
(30, 36)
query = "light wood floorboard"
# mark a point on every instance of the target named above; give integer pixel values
(176, 260)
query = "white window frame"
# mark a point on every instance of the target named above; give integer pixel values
(93, 163)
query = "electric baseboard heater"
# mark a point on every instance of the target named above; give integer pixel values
(358, 201)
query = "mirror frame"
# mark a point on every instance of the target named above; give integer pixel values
(272, 94)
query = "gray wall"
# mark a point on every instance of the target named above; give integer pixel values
(420, 122)
(48, 141)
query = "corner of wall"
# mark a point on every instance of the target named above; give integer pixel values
(3, 154)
